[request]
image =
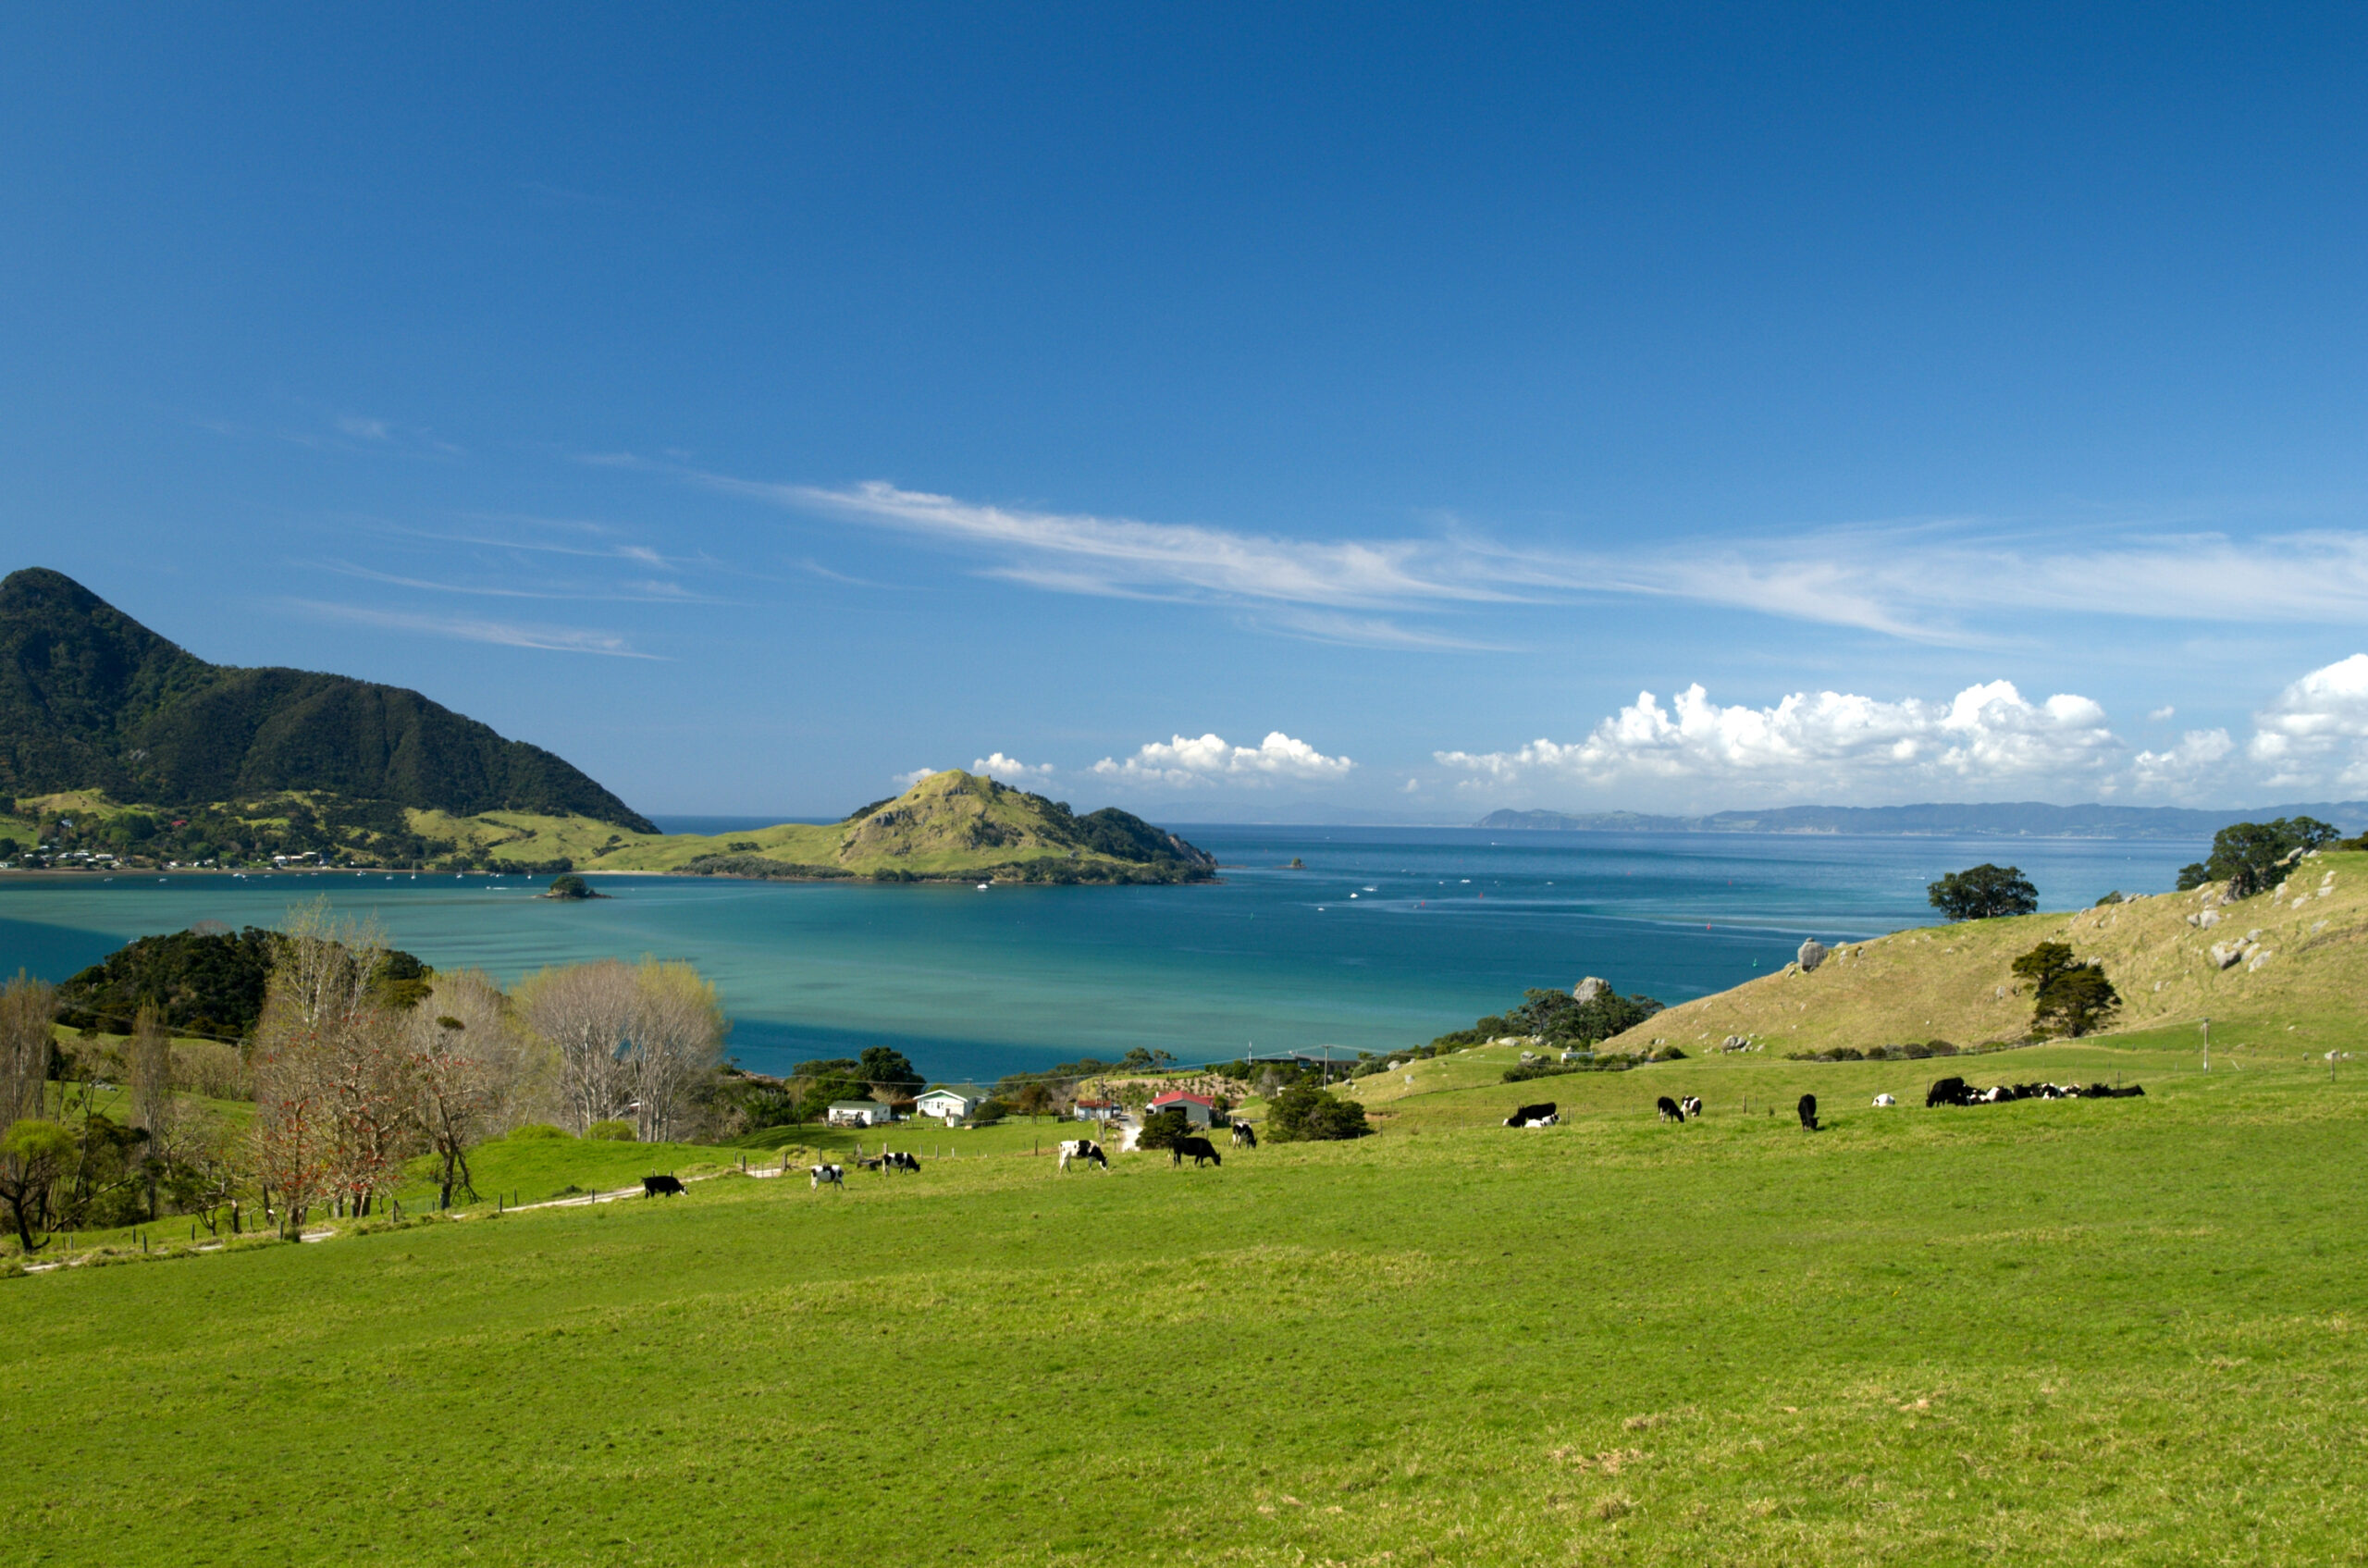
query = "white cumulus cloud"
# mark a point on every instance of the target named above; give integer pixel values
(1010, 769)
(2179, 768)
(1829, 744)
(908, 780)
(2316, 731)
(1208, 758)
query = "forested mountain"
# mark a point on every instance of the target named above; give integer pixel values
(90, 700)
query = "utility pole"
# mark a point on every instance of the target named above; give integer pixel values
(2207, 1045)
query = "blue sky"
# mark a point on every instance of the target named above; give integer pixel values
(1227, 411)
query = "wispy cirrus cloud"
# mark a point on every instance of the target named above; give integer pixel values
(507, 634)
(1954, 581)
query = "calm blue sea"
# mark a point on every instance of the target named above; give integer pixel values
(1389, 935)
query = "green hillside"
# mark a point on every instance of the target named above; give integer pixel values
(90, 700)
(2301, 970)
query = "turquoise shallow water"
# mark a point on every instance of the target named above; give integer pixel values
(1389, 937)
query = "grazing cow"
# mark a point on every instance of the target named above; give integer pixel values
(1886, 1100)
(901, 1161)
(1532, 1116)
(1083, 1149)
(1244, 1136)
(1198, 1148)
(1948, 1091)
(827, 1176)
(652, 1186)
(1808, 1112)
(1671, 1110)
(1691, 1106)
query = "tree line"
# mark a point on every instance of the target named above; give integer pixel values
(354, 1077)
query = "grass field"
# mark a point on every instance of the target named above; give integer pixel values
(2042, 1332)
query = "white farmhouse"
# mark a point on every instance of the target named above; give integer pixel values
(858, 1113)
(952, 1102)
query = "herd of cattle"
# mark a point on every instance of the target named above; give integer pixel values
(1200, 1152)
(1957, 1092)
(1948, 1091)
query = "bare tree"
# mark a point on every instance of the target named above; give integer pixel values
(28, 1006)
(473, 1067)
(334, 1104)
(678, 1028)
(584, 1013)
(148, 1058)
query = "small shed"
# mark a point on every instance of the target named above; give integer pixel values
(1096, 1110)
(858, 1113)
(1198, 1109)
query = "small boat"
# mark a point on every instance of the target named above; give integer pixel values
(984, 885)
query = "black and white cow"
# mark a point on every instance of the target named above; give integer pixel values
(1671, 1110)
(655, 1186)
(1083, 1149)
(827, 1176)
(902, 1161)
(1532, 1116)
(1198, 1148)
(1691, 1106)
(1244, 1135)
(1807, 1108)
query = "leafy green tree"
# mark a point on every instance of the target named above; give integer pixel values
(1983, 893)
(1560, 1018)
(884, 1067)
(1306, 1115)
(2247, 856)
(1162, 1129)
(1140, 1060)
(2069, 998)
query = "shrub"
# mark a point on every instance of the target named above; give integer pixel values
(1162, 1130)
(1304, 1115)
(612, 1131)
(989, 1112)
(527, 1132)
(570, 886)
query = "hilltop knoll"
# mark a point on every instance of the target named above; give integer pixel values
(952, 825)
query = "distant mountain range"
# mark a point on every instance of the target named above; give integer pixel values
(2024, 819)
(90, 700)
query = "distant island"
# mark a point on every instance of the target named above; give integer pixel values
(121, 751)
(2000, 820)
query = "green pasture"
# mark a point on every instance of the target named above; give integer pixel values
(2072, 1332)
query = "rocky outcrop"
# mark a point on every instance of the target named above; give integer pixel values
(1812, 954)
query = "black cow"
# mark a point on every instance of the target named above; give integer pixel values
(1528, 1114)
(652, 1186)
(1808, 1112)
(1244, 1136)
(1198, 1148)
(2099, 1092)
(1948, 1091)
(1670, 1110)
(1691, 1106)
